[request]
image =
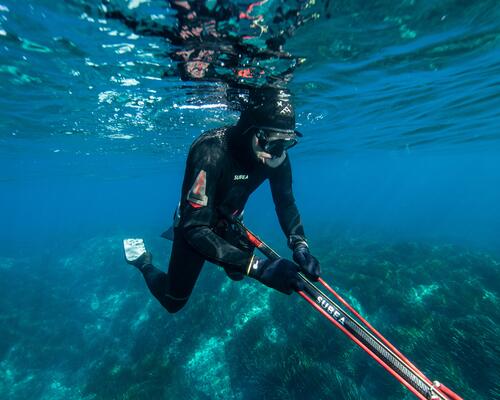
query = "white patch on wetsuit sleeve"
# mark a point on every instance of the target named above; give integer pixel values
(197, 195)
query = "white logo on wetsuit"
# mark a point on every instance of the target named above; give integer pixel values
(240, 177)
(286, 110)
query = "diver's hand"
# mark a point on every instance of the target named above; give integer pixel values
(307, 262)
(145, 259)
(278, 274)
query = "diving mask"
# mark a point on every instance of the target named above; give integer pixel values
(275, 142)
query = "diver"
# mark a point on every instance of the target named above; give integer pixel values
(224, 166)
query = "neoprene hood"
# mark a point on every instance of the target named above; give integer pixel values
(270, 108)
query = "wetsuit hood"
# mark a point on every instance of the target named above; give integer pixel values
(267, 108)
(270, 108)
(240, 145)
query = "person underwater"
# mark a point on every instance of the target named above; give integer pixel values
(224, 167)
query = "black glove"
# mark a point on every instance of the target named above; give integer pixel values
(278, 274)
(307, 262)
(142, 261)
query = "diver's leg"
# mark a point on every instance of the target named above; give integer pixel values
(173, 289)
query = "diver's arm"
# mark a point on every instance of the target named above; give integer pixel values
(288, 214)
(289, 217)
(198, 215)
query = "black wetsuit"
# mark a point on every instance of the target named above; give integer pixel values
(221, 173)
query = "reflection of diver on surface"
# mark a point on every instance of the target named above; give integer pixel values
(223, 43)
(224, 166)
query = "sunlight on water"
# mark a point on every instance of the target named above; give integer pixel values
(128, 66)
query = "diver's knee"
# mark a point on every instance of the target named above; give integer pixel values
(235, 275)
(174, 305)
(173, 308)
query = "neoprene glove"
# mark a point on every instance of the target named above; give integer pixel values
(307, 262)
(278, 274)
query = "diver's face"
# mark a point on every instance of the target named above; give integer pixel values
(263, 157)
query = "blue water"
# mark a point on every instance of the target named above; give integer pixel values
(397, 179)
